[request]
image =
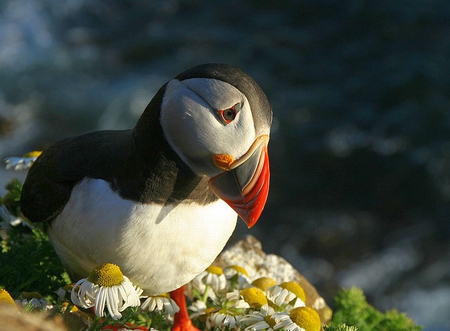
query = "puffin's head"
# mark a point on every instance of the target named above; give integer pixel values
(217, 119)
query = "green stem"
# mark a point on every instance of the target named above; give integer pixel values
(94, 324)
(205, 294)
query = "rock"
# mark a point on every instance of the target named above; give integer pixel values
(11, 319)
(248, 254)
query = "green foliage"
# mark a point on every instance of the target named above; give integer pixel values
(342, 327)
(351, 308)
(12, 198)
(29, 263)
(27, 259)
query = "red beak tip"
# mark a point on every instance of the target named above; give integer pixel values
(250, 224)
(250, 218)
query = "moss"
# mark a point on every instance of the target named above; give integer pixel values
(342, 327)
(351, 308)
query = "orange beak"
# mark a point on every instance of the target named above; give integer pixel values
(244, 185)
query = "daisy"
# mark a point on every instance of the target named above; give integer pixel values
(22, 163)
(197, 308)
(161, 304)
(214, 278)
(33, 300)
(9, 219)
(201, 313)
(236, 300)
(225, 318)
(299, 319)
(61, 293)
(288, 295)
(237, 277)
(259, 320)
(106, 286)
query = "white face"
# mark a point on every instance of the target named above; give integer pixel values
(196, 130)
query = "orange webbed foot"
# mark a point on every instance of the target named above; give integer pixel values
(182, 322)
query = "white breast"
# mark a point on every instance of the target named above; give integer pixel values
(160, 248)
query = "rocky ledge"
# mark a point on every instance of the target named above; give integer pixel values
(248, 253)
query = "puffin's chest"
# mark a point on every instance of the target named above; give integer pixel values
(159, 247)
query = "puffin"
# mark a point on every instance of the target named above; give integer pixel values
(160, 200)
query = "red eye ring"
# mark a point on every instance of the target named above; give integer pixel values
(228, 115)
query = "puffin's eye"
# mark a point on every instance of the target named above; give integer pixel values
(228, 115)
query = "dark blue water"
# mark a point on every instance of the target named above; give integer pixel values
(360, 149)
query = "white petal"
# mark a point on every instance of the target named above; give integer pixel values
(112, 302)
(100, 302)
(252, 318)
(74, 293)
(170, 307)
(146, 303)
(261, 325)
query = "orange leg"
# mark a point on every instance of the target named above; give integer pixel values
(182, 322)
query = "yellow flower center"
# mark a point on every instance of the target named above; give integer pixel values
(33, 154)
(5, 298)
(212, 269)
(254, 297)
(239, 269)
(294, 288)
(306, 318)
(264, 283)
(106, 275)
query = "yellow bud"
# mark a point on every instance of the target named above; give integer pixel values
(254, 297)
(306, 318)
(6, 298)
(239, 269)
(294, 288)
(106, 275)
(212, 269)
(33, 154)
(264, 283)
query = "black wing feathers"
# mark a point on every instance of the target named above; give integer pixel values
(47, 189)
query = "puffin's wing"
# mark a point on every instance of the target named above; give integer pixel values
(58, 169)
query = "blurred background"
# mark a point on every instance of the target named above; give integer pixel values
(360, 147)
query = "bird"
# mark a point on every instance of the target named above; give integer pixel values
(162, 199)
